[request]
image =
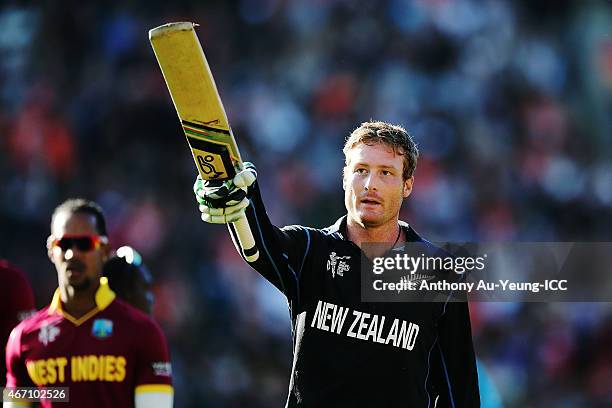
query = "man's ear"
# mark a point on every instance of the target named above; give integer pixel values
(408, 186)
(344, 178)
(106, 251)
(50, 247)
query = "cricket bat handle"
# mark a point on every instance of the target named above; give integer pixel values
(246, 240)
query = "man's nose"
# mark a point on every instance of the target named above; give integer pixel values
(370, 183)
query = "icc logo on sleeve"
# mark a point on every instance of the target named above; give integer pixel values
(102, 328)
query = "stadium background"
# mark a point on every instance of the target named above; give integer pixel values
(509, 101)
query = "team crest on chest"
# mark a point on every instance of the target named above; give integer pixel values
(102, 328)
(48, 333)
(338, 264)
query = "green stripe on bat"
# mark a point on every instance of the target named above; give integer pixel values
(201, 133)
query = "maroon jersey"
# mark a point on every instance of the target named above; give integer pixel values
(104, 357)
(16, 303)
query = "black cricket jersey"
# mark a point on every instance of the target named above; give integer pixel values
(349, 353)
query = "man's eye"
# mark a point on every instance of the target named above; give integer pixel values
(386, 173)
(361, 170)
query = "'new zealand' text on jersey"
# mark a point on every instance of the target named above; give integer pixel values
(104, 358)
(348, 353)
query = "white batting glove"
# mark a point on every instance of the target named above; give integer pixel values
(225, 202)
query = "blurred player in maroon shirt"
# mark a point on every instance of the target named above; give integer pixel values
(130, 279)
(108, 353)
(16, 303)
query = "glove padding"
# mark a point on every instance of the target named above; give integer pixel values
(225, 202)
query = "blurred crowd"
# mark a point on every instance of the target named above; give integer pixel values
(509, 101)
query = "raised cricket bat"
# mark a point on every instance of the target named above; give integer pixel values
(200, 110)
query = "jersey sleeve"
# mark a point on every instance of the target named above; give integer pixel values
(16, 371)
(283, 251)
(153, 368)
(16, 303)
(455, 375)
(22, 299)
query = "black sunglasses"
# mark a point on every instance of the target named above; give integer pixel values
(83, 243)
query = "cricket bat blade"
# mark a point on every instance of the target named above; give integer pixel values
(200, 111)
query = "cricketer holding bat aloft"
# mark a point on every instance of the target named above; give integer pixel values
(106, 352)
(422, 356)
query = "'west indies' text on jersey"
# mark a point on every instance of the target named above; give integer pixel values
(104, 357)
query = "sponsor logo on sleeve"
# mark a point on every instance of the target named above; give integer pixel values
(24, 314)
(162, 368)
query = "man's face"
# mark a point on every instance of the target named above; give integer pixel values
(76, 266)
(373, 185)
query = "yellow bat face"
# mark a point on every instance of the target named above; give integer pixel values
(196, 99)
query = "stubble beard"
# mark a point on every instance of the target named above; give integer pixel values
(82, 286)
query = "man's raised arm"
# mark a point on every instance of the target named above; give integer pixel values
(282, 252)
